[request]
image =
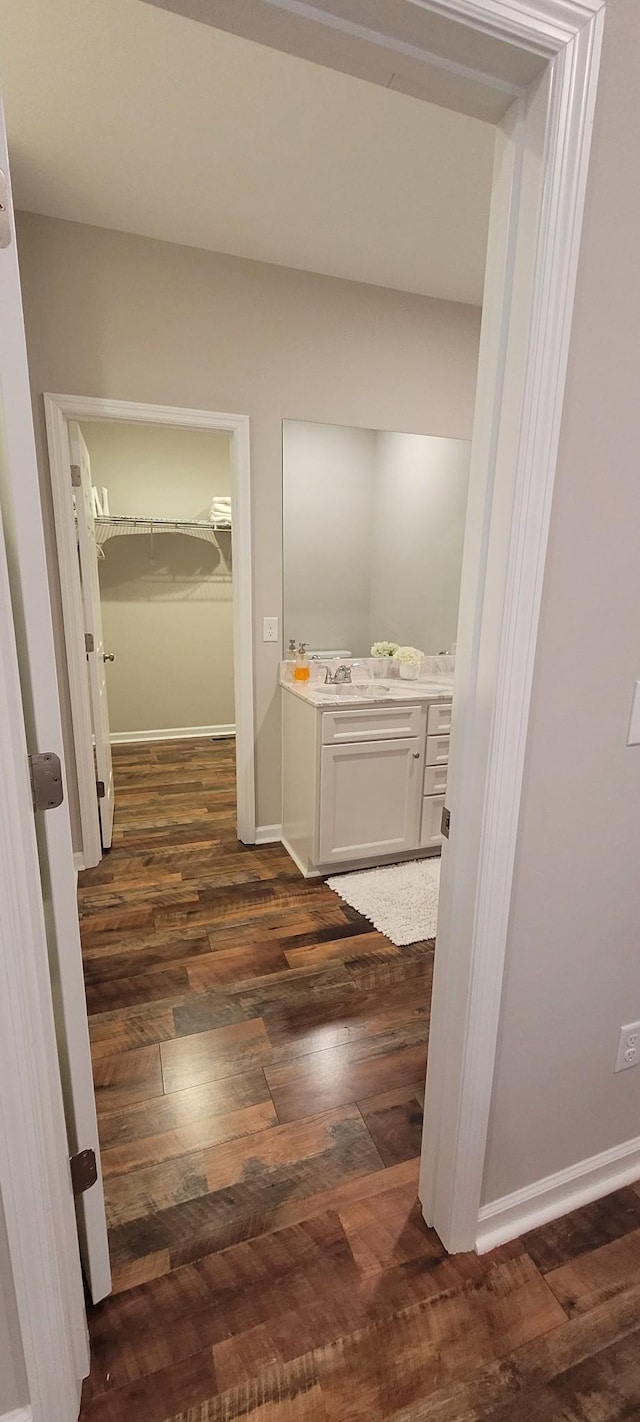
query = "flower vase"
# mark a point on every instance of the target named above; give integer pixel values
(409, 671)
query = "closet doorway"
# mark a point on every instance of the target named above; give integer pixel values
(153, 531)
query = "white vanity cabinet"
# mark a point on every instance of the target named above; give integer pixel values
(362, 785)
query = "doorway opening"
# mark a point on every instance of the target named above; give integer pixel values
(161, 628)
(149, 502)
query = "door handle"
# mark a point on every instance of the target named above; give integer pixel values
(108, 656)
(416, 755)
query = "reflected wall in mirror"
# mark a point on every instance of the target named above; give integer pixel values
(373, 535)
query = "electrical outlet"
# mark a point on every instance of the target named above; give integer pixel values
(628, 1047)
(269, 629)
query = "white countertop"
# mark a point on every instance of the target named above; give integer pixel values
(377, 692)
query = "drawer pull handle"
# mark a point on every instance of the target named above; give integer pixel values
(416, 755)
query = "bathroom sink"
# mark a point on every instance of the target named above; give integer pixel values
(348, 691)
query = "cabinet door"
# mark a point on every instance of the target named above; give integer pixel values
(370, 799)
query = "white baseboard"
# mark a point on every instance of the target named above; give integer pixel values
(78, 864)
(308, 874)
(557, 1195)
(180, 733)
(267, 834)
(21, 1414)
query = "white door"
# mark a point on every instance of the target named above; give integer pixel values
(93, 628)
(370, 799)
(22, 517)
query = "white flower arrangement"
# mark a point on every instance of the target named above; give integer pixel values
(408, 656)
(384, 649)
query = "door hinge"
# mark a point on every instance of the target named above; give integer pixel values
(76, 477)
(445, 824)
(88, 642)
(45, 771)
(84, 1171)
(100, 789)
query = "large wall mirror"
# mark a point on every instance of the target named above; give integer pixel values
(373, 535)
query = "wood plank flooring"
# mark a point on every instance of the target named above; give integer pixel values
(259, 1057)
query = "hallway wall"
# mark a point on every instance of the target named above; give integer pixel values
(573, 965)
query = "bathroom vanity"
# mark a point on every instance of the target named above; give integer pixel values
(364, 771)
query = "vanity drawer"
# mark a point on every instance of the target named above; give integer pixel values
(385, 723)
(437, 750)
(435, 779)
(430, 833)
(439, 722)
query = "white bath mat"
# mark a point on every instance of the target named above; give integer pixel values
(401, 899)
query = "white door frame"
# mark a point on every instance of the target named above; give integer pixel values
(34, 1166)
(35, 1180)
(536, 219)
(59, 409)
(536, 224)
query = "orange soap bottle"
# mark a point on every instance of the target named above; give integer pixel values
(301, 669)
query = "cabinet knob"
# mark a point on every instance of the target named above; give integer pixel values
(416, 755)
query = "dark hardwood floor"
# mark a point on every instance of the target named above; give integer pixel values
(259, 1056)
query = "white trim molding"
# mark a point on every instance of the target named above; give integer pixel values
(269, 834)
(59, 409)
(34, 1168)
(521, 380)
(556, 1195)
(21, 1414)
(74, 628)
(175, 733)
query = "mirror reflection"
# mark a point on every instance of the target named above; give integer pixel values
(373, 535)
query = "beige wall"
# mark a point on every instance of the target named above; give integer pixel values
(13, 1382)
(167, 613)
(573, 971)
(113, 315)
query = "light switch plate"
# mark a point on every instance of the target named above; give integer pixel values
(633, 738)
(269, 629)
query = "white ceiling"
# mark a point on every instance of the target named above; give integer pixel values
(127, 116)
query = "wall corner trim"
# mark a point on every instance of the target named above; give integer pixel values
(556, 1195)
(265, 834)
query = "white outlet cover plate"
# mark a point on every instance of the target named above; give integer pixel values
(269, 629)
(628, 1047)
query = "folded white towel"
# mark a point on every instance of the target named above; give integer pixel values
(220, 509)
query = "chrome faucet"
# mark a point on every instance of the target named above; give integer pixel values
(338, 677)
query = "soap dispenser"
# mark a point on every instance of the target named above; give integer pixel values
(301, 669)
